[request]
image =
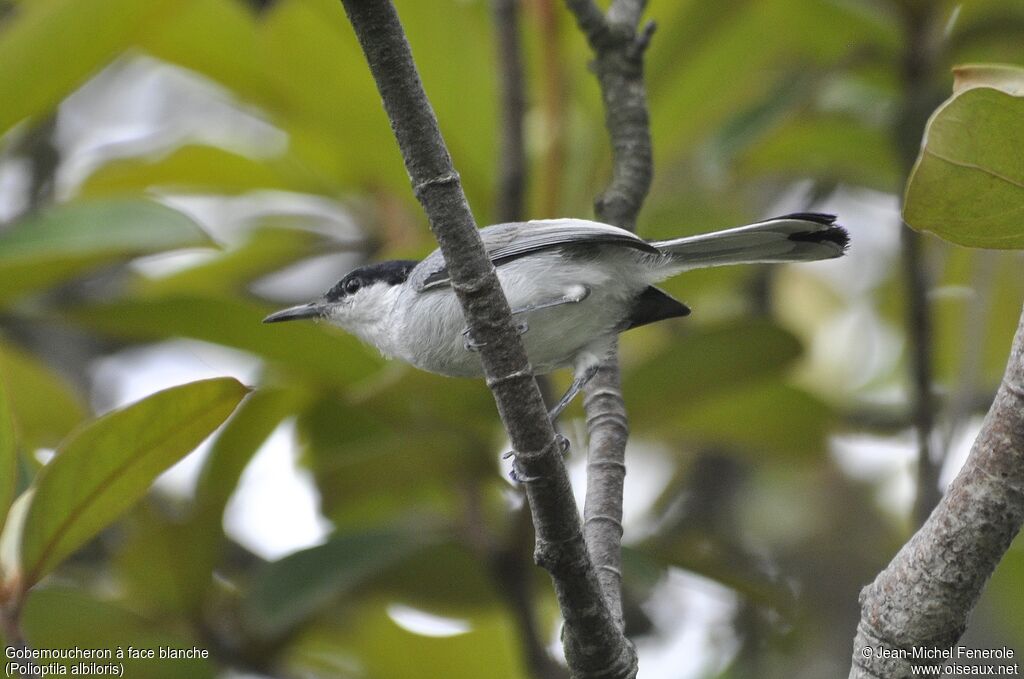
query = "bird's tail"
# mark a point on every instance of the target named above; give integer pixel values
(798, 237)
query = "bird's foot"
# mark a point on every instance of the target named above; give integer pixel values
(471, 344)
(561, 443)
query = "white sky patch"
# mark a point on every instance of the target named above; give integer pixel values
(649, 470)
(427, 624)
(696, 614)
(133, 374)
(888, 462)
(14, 184)
(959, 449)
(873, 219)
(140, 105)
(276, 509)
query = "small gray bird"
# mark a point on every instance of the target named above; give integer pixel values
(572, 284)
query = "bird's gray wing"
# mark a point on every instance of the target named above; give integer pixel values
(507, 242)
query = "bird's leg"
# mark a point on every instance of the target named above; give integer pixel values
(581, 380)
(574, 294)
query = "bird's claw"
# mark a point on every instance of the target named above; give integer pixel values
(561, 443)
(471, 344)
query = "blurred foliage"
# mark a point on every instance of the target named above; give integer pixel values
(189, 211)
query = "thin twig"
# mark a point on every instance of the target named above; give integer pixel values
(594, 645)
(619, 51)
(553, 82)
(919, 355)
(14, 637)
(511, 191)
(917, 65)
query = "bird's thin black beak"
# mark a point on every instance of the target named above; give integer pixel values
(311, 310)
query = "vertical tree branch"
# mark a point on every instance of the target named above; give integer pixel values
(619, 51)
(919, 335)
(918, 59)
(512, 165)
(507, 561)
(553, 84)
(608, 431)
(922, 599)
(594, 645)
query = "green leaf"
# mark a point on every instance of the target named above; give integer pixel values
(47, 49)
(968, 184)
(460, 582)
(707, 362)
(749, 45)
(8, 454)
(242, 435)
(45, 406)
(146, 558)
(69, 618)
(217, 38)
(775, 418)
(266, 250)
(251, 424)
(487, 649)
(196, 168)
(829, 148)
(66, 240)
(109, 465)
(316, 352)
(395, 447)
(290, 591)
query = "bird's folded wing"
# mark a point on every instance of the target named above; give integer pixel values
(507, 242)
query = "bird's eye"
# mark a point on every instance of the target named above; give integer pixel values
(352, 286)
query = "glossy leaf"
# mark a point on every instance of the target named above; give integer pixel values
(291, 590)
(968, 184)
(69, 618)
(47, 49)
(64, 241)
(44, 405)
(317, 352)
(110, 464)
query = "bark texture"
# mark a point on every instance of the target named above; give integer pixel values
(923, 598)
(618, 48)
(595, 646)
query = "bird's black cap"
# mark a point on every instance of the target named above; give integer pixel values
(393, 272)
